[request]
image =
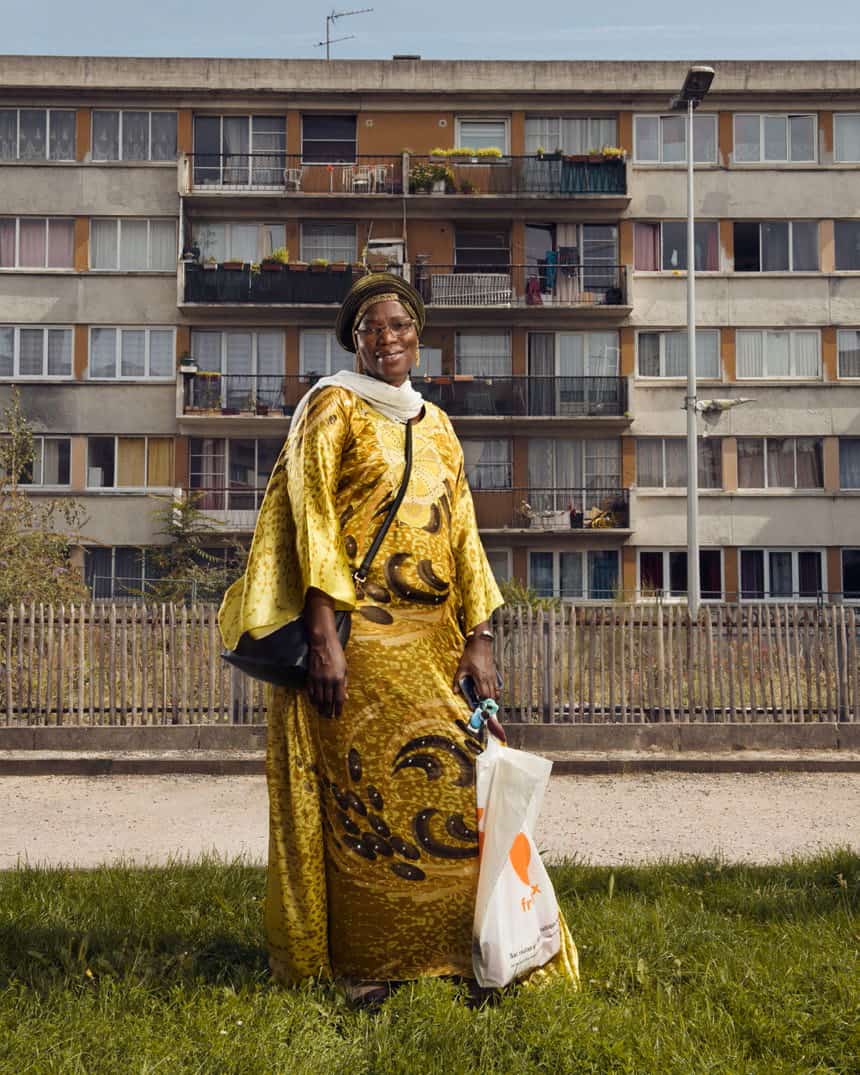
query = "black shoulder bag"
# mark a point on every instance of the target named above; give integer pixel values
(281, 658)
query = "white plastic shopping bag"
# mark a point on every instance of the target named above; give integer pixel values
(516, 914)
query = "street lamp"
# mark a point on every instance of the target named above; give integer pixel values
(696, 85)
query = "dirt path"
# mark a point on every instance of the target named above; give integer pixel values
(602, 819)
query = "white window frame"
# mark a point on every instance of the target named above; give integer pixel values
(39, 454)
(662, 375)
(150, 112)
(795, 575)
(762, 116)
(461, 140)
(263, 248)
(48, 220)
(846, 376)
(49, 112)
(660, 117)
(331, 344)
(117, 437)
(508, 463)
(556, 553)
(680, 441)
(781, 488)
(508, 568)
(792, 335)
(258, 491)
(660, 269)
(837, 116)
(309, 256)
(118, 221)
(16, 374)
(118, 374)
(503, 358)
(666, 594)
(791, 268)
(560, 118)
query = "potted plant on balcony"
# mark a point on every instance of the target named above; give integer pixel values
(319, 265)
(232, 265)
(488, 153)
(467, 186)
(275, 261)
(210, 263)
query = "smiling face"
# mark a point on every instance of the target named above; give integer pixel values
(384, 353)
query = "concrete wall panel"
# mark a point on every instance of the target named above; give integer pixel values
(82, 189)
(88, 298)
(97, 408)
(122, 518)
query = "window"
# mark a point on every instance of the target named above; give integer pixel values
(500, 563)
(51, 462)
(780, 138)
(765, 353)
(246, 242)
(663, 572)
(848, 343)
(328, 139)
(582, 474)
(487, 463)
(121, 571)
(661, 462)
(37, 243)
(663, 246)
(847, 131)
(239, 151)
(482, 248)
(251, 363)
(851, 574)
(37, 134)
(664, 354)
(333, 241)
(569, 575)
(849, 462)
(780, 463)
(231, 474)
(320, 354)
(776, 246)
(483, 355)
(131, 353)
(131, 244)
(847, 245)
(663, 139)
(129, 462)
(26, 351)
(570, 134)
(134, 136)
(483, 133)
(781, 573)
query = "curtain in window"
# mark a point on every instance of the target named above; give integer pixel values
(56, 468)
(847, 137)
(243, 243)
(575, 137)
(61, 244)
(487, 463)
(268, 450)
(704, 138)
(849, 463)
(207, 471)
(7, 244)
(780, 574)
(707, 243)
(849, 348)
(272, 237)
(133, 353)
(750, 463)
(710, 457)
(159, 462)
(268, 143)
(105, 136)
(162, 243)
(485, 355)
(483, 134)
(602, 132)
(603, 464)
(31, 242)
(747, 134)
(541, 384)
(242, 470)
(132, 244)
(103, 249)
(676, 462)
(541, 573)
(161, 353)
(234, 146)
(647, 133)
(804, 246)
(775, 138)
(270, 367)
(8, 134)
(103, 352)
(750, 354)
(542, 131)
(7, 351)
(163, 128)
(238, 369)
(806, 354)
(314, 353)
(569, 575)
(780, 462)
(673, 135)
(334, 242)
(59, 352)
(135, 136)
(602, 574)
(802, 135)
(810, 463)
(32, 356)
(646, 246)
(649, 462)
(32, 134)
(541, 463)
(211, 237)
(61, 142)
(778, 354)
(648, 346)
(602, 354)
(131, 463)
(206, 350)
(675, 345)
(752, 574)
(774, 246)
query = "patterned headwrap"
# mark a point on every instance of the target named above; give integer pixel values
(366, 292)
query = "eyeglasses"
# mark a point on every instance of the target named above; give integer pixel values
(398, 328)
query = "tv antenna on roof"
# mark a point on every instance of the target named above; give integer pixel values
(329, 20)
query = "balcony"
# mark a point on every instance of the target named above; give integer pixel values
(546, 176)
(308, 286)
(287, 174)
(461, 396)
(553, 511)
(234, 508)
(543, 285)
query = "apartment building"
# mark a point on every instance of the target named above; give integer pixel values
(157, 349)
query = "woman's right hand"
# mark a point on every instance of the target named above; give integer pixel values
(327, 671)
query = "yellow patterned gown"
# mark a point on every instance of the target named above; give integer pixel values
(372, 843)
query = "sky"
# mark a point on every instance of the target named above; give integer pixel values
(438, 29)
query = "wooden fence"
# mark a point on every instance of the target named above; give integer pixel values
(159, 664)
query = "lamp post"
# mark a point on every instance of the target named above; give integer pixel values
(696, 85)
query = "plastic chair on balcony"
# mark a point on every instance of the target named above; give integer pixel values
(293, 178)
(361, 180)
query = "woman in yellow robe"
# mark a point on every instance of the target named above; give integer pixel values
(373, 844)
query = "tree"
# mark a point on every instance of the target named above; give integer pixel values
(36, 535)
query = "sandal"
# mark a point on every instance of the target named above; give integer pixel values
(366, 995)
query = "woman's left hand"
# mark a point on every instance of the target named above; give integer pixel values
(477, 661)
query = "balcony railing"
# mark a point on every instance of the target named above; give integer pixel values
(516, 175)
(595, 508)
(458, 395)
(544, 284)
(512, 397)
(307, 286)
(289, 174)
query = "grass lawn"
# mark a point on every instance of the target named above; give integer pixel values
(687, 967)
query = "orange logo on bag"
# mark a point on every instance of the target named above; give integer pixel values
(520, 856)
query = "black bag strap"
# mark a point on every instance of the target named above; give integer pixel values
(360, 574)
